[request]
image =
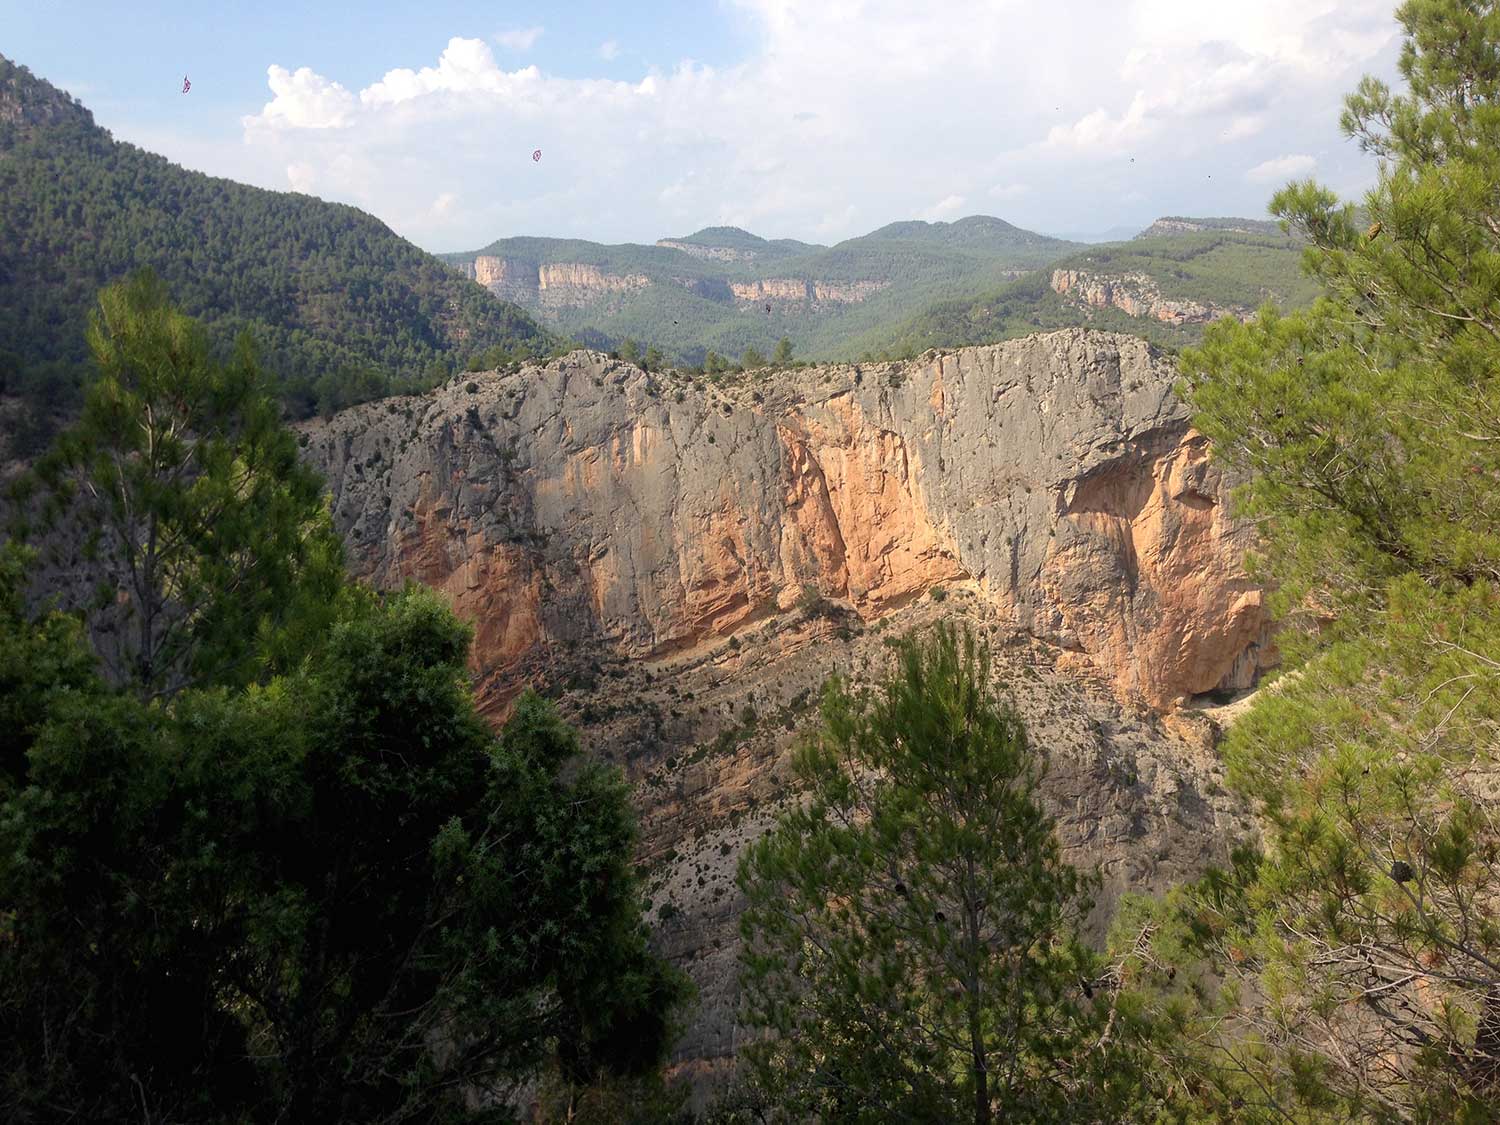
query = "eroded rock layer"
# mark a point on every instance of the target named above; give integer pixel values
(1137, 294)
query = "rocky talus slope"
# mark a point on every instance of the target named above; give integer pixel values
(683, 563)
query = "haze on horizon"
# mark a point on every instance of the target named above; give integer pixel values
(810, 119)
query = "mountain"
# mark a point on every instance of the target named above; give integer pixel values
(1112, 234)
(681, 563)
(977, 233)
(1165, 284)
(731, 244)
(726, 289)
(340, 306)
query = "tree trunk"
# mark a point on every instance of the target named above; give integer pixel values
(974, 954)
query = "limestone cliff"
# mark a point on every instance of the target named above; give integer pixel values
(709, 253)
(549, 285)
(683, 563)
(789, 290)
(586, 501)
(1137, 294)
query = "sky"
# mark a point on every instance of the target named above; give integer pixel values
(810, 119)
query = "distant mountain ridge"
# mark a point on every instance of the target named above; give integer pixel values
(1164, 284)
(731, 244)
(726, 289)
(341, 307)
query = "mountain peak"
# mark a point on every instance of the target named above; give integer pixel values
(727, 238)
(978, 232)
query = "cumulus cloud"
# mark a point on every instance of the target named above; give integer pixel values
(847, 114)
(1281, 168)
(301, 177)
(303, 100)
(949, 207)
(520, 39)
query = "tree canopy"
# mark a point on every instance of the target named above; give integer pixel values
(194, 537)
(1361, 950)
(911, 946)
(274, 866)
(341, 307)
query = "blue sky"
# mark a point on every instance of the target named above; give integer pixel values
(127, 60)
(815, 119)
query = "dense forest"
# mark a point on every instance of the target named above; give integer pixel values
(340, 308)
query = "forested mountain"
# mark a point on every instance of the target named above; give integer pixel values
(896, 291)
(340, 306)
(724, 289)
(1166, 284)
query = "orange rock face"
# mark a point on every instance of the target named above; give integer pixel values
(580, 504)
(1180, 617)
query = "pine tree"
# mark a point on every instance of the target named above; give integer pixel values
(1363, 949)
(910, 931)
(180, 493)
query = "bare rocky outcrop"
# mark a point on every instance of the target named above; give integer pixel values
(709, 253)
(558, 285)
(796, 290)
(549, 284)
(1174, 225)
(583, 501)
(1137, 294)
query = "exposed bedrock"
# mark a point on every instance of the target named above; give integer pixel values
(583, 502)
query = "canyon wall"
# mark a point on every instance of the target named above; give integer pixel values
(796, 290)
(682, 563)
(708, 253)
(556, 285)
(588, 502)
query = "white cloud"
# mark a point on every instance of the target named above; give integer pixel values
(301, 177)
(519, 39)
(949, 207)
(1281, 168)
(1247, 125)
(846, 115)
(303, 100)
(466, 66)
